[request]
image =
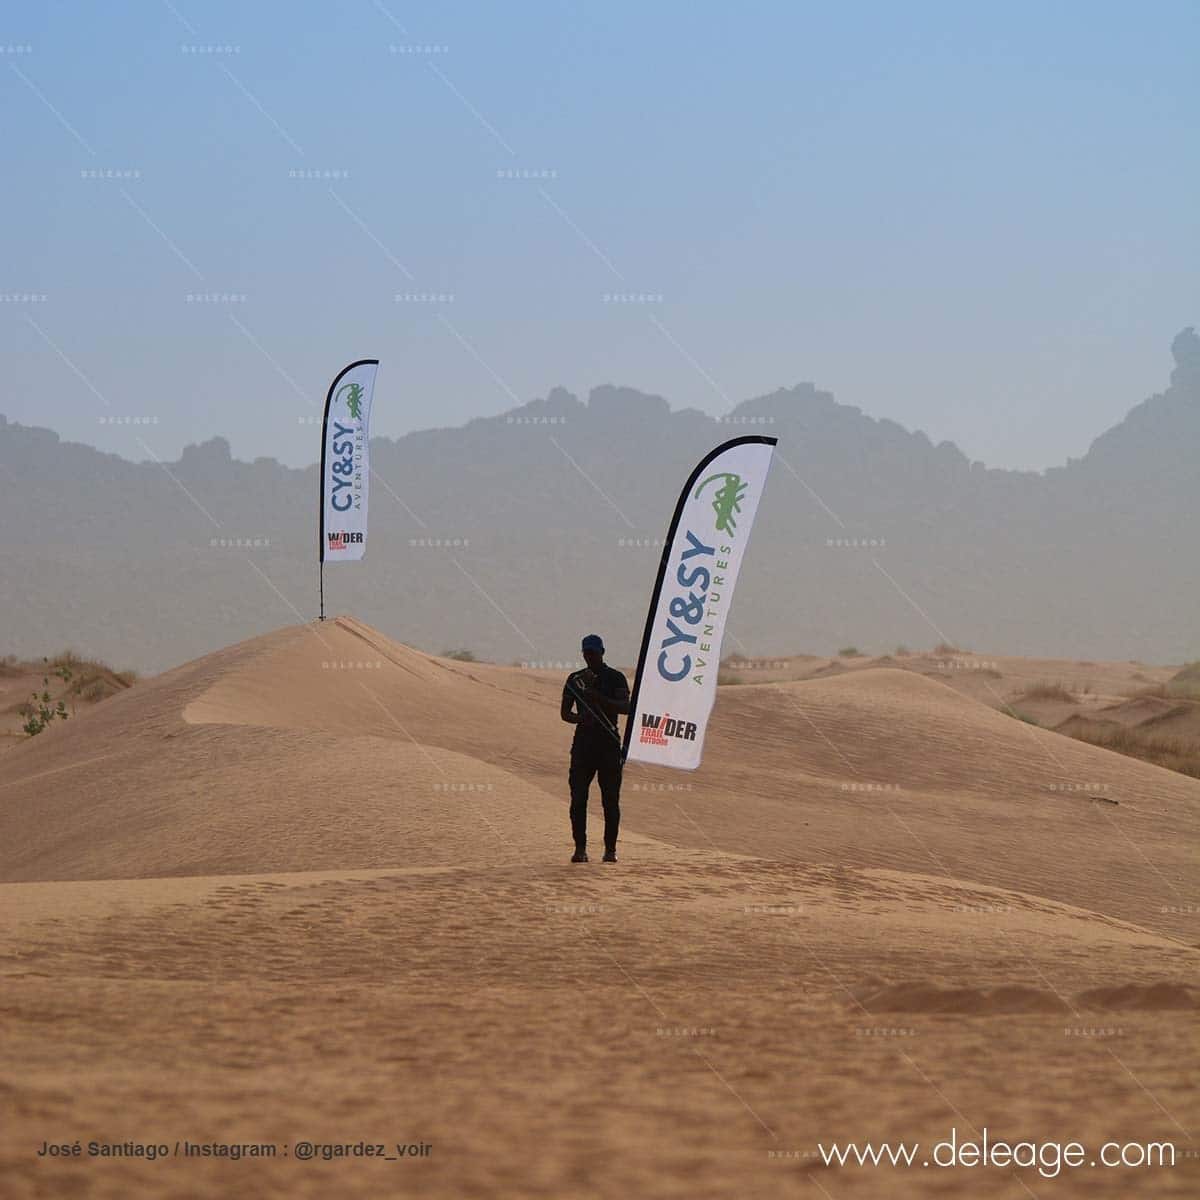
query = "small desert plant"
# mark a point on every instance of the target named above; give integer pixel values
(946, 648)
(1012, 712)
(90, 680)
(848, 651)
(1047, 691)
(1174, 753)
(41, 710)
(460, 655)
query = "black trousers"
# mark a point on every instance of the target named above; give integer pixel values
(595, 758)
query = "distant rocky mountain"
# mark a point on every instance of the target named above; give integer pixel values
(512, 535)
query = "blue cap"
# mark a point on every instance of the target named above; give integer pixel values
(593, 641)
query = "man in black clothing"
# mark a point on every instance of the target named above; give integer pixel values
(591, 701)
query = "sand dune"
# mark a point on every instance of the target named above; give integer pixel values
(238, 763)
(315, 886)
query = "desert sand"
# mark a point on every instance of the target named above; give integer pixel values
(314, 887)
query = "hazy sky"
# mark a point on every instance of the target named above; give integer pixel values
(978, 220)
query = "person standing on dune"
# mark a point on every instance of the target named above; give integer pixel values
(591, 701)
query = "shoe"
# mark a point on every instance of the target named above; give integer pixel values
(579, 856)
(610, 856)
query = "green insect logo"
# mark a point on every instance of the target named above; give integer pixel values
(727, 500)
(353, 400)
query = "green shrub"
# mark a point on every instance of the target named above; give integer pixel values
(41, 710)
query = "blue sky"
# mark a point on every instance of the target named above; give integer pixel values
(980, 221)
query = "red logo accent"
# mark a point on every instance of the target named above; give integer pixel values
(654, 733)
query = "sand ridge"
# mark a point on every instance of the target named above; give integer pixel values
(285, 892)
